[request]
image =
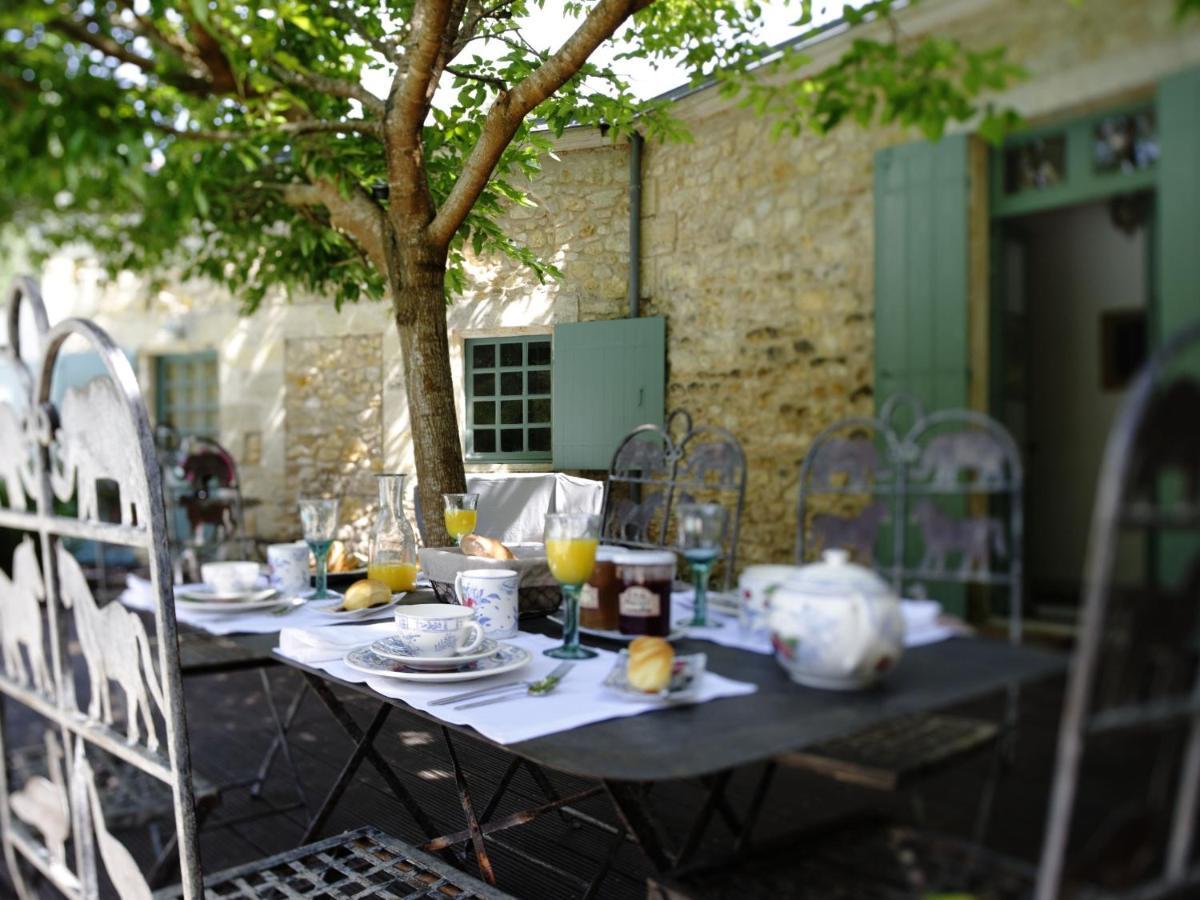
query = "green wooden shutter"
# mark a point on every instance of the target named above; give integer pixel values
(1177, 300)
(921, 271)
(608, 378)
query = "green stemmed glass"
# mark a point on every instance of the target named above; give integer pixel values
(571, 540)
(701, 533)
(319, 517)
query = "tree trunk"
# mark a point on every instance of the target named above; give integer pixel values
(420, 312)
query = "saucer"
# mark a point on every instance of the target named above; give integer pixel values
(687, 671)
(392, 648)
(507, 659)
(333, 609)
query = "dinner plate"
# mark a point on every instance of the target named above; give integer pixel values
(227, 609)
(332, 609)
(392, 648)
(506, 659)
(209, 596)
(339, 579)
(676, 632)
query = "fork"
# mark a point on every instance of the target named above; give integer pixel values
(549, 682)
(290, 607)
(536, 689)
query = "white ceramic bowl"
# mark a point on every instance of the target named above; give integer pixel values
(230, 577)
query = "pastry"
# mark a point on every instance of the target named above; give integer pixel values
(366, 592)
(649, 666)
(478, 545)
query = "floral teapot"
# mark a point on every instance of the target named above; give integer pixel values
(835, 624)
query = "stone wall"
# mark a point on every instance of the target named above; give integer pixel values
(759, 253)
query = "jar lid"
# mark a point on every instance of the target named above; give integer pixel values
(645, 558)
(608, 553)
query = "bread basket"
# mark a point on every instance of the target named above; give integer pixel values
(537, 595)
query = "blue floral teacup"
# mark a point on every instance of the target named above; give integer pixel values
(437, 629)
(492, 593)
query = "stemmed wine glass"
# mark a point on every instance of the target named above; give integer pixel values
(701, 531)
(319, 517)
(571, 540)
(460, 515)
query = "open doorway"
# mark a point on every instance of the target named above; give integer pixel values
(1074, 303)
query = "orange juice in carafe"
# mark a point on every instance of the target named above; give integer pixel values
(398, 576)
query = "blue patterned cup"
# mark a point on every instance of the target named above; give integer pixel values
(288, 564)
(492, 593)
(437, 629)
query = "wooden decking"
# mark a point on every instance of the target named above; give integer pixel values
(229, 734)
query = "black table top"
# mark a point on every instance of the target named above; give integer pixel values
(688, 741)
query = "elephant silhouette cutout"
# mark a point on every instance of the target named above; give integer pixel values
(947, 457)
(88, 454)
(855, 458)
(14, 458)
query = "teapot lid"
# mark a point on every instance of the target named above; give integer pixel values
(836, 575)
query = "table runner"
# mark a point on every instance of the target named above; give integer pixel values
(580, 699)
(137, 595)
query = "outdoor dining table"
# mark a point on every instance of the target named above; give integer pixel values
(707, 741)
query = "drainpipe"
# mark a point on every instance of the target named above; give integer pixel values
(635, 224)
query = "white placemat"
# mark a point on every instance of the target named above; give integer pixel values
(923, 624)
(137, 595)
(580, 699)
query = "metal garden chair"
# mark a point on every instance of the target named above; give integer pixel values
(945, 464)
(656, 468)
(112, 690)
(1135, 673)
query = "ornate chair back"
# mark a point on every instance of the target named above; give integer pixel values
(54, 457)
(656, 468)
(1136, 669)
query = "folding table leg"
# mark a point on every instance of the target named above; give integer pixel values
(638, 818)
(755, 807)
(279, 743)
(343, 780)
(716, 794)
(335, 707)
(464, 794)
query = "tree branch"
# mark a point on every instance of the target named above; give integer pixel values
(510, 108)
(357, 215)
(325, 84)
(460, 72)
(312, 126)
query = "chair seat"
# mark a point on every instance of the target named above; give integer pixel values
(357, 864)
(888, 756)
(864, 862)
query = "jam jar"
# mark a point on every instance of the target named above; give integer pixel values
(598, 599)
(645, 578)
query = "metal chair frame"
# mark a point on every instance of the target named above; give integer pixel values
(683, 466)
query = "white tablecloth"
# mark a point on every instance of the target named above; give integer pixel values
(580, 699)
(138, 595)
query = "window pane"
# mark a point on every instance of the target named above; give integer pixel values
(485, 385)
(510, 384)
(511, 412)
(539, 439)
(510, 354)
(539, 382)
(1036, 165)
(539, 410)
(1125, 143)
(512, 440)
(539, 353)
(483, 356)
(484, 413)
(484, 440)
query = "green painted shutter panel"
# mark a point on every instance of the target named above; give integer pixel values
(921, 272)
(608, 378)
(1178, 300)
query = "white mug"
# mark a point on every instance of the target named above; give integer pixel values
(288, 565)
(492, 593)
(437, 629)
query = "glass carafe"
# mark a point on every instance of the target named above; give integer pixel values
(393, 558)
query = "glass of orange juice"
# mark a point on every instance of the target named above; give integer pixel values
(460, 514)
(571, 540)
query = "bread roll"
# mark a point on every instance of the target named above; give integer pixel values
(478, 545)
(366, 592)
(650, 661)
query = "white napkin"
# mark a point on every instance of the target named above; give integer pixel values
(923, 624)
(580, 699)
(138, 595)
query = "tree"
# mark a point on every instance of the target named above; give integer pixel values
(235, 140)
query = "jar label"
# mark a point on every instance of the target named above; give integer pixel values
(640, 601)
(589, 597)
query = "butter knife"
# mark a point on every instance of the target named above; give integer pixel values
(535, 689)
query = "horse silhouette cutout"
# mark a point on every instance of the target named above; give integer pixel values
(43, 803)
(854, 533)
(631, 521)
(116, 648)
(123, 870)
(22, 624)
(943, 534)
(14, 458)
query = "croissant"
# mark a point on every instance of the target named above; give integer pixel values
(649, 667)
(478, 545)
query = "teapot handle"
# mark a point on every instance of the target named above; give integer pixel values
(866, 627)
